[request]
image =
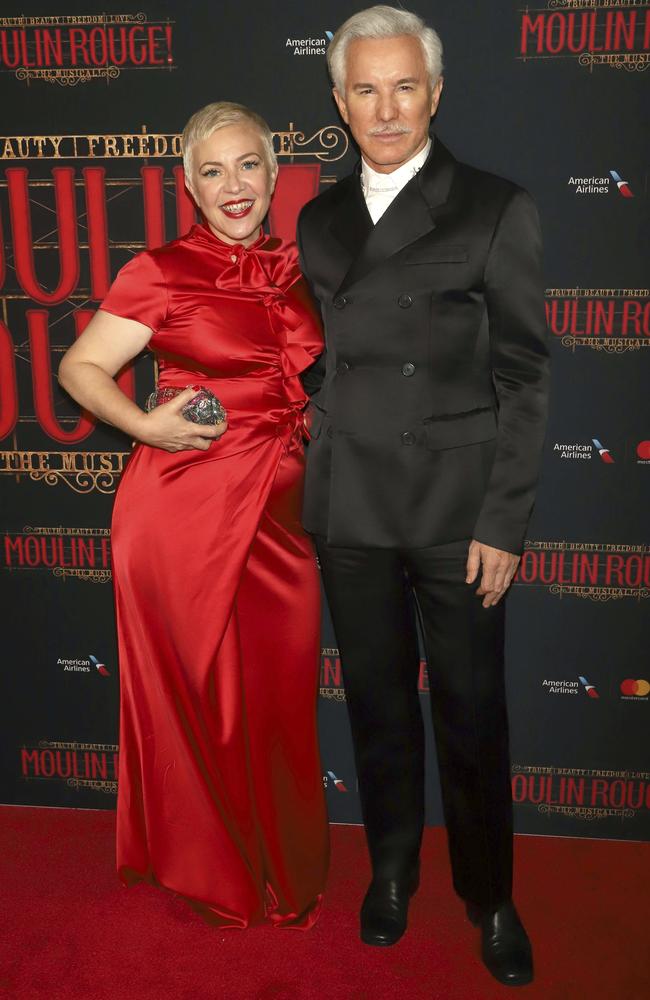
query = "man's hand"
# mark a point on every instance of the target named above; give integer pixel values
(499, 567)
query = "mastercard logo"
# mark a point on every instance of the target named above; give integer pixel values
(638, 689)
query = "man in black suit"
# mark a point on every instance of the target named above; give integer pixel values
(427, 426)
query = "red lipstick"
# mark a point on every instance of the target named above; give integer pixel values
(237, 215)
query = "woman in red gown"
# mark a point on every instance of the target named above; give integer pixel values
(217, 595)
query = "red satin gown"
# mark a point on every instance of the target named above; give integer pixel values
(217, 594)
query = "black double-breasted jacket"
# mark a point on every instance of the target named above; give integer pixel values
(429, 403)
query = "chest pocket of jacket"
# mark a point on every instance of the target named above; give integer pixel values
(454, 432)
(440, 253)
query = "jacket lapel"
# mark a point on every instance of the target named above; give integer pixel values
(351, 224)
(411, 215)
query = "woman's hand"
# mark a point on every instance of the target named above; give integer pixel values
(165, 427)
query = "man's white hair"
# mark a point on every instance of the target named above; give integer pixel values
(383, 22)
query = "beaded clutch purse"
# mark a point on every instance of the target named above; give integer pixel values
(204, 408)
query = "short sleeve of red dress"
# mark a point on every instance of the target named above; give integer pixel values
(139, 292)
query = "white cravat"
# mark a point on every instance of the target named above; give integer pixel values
(379, 190)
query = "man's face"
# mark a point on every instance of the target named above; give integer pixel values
(388, 100)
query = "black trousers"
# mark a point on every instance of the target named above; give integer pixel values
(371, 597)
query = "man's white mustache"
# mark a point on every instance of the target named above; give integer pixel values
(390, 130)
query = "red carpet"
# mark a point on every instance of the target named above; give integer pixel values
(71, 932)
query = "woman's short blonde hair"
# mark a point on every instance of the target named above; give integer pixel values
(212, 117)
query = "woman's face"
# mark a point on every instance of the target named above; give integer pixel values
(231, 182)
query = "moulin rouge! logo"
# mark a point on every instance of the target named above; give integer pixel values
(613, 320)
(600, 572)
(602, 33)
(79, 765)
(71, 49)
(66, 552)
(582, 793)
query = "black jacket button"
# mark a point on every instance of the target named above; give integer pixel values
(408, 369)
(405, 301)
(340, 302)
(408, 438)
(342, 367)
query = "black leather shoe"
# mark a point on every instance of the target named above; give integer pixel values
(385, 909)
(505, 949)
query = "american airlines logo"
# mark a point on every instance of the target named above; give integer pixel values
(332, 779)
(598, 184)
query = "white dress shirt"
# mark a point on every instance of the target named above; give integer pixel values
(379, 190)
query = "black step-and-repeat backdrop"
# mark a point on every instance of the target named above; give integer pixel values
(555, 96)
